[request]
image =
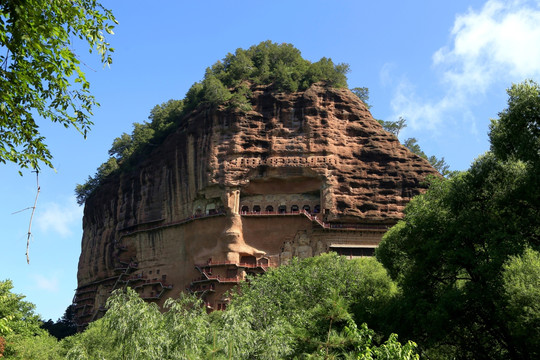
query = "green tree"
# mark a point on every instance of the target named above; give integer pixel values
(521, 283)
(281, 65)
(63, 327)
(163, 117)
(517, 131)
(325, 68)
(412, 144)
(214, 92)
(22, 337)
(313, 320)
(238, 66)
(122, 147)
(93, 343)
(16, 315)
(82, 191)
(313, 305)
(40, 347)
(135, 329)
(363, 94)
(448, 255)
(40, 74)
(394, 127)
(241, 98)
(438, 164)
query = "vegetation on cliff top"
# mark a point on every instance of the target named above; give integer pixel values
(228, 82)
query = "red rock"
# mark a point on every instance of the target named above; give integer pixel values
(321, 148)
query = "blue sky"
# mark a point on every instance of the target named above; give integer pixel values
(443, 65)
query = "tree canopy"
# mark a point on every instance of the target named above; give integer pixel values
(279, 65)
(298, 311)
(20, 334)
(517, 131)
(40, 72)
(315, 308)
(438, 164)
(456, 249)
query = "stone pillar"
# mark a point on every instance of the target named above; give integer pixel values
(327, 200)
(231, 200)
(231, 242)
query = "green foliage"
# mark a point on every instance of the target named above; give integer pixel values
(64, 326)
(279, 64)
(194, 96)
(20, 327)
(289, 291)
(128, 148)
(394, 127)
(122, 147)
(213, 90)
(438, 164)
(363, 94)
(134, 326)
(517, 131)
(163, 117)
(448, 253)
(312, 301)
(456, 254)
(82, 191)
(40, 74)
(240, 99)
(16, 315)
(42, 347)
(521, 284)
(94, 343)
(315, 325)
(227, 82)
(412, 144)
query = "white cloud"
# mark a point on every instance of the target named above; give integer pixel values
(385, 74)
(405, 103)
(49, 284)
(498, 44)
(59, 217)
(500, 41)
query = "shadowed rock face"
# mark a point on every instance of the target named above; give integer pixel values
(225, 195)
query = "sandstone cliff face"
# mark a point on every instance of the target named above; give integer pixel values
(317, 156)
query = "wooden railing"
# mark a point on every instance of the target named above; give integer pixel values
(313, 217)
(211, 263)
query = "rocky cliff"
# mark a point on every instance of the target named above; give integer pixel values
(231, 193)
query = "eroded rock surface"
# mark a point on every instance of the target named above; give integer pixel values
(231, 193)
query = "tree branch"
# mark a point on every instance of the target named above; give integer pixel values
(31, 217)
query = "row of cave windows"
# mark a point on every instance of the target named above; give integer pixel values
(282, 209)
